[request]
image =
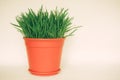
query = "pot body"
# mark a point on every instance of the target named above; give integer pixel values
(44, 55)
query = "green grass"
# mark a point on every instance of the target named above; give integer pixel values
(43, 24)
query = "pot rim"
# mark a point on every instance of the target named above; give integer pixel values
(43, 38)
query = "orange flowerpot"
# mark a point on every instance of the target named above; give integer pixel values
(44, 55)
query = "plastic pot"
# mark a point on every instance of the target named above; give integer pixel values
(44, 55)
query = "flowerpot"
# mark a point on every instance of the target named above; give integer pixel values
(44, 55)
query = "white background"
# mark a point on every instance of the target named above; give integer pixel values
(93, 53)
